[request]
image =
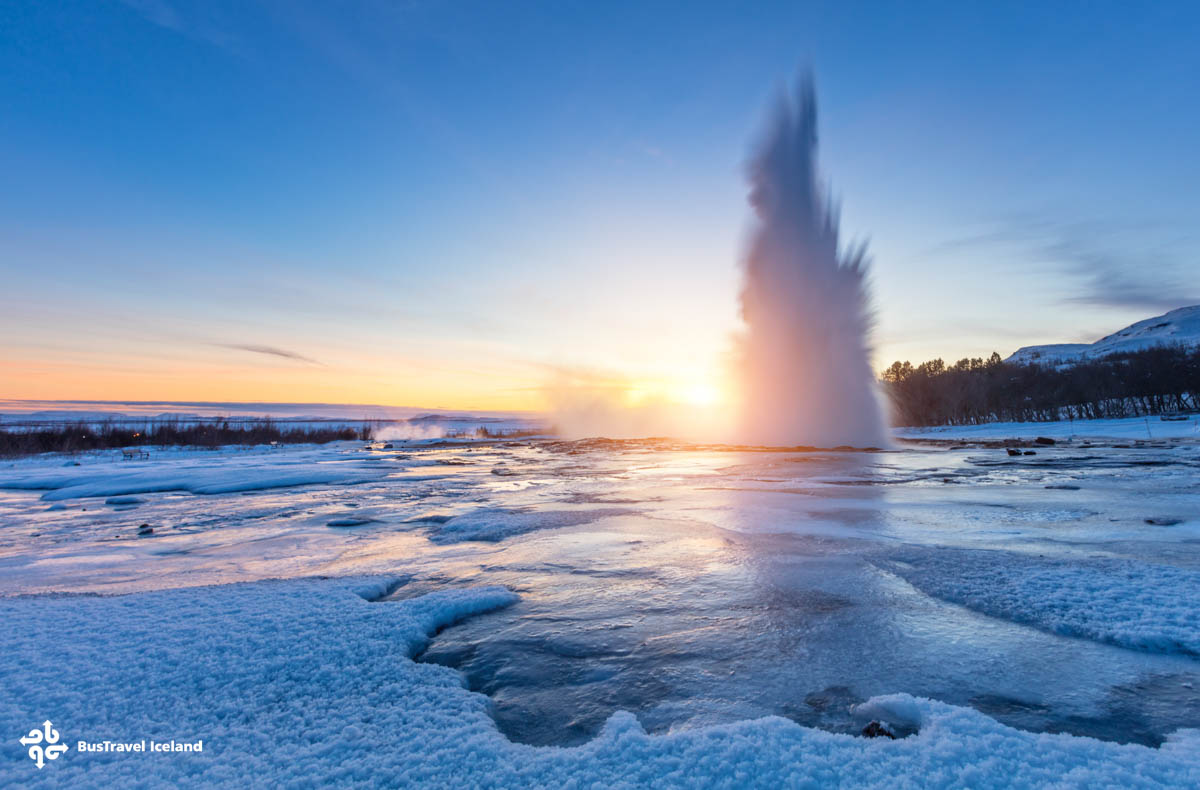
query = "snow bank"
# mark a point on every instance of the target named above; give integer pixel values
(1136, 605)
(221, 475)
(1133, 428)
(306, 683)
(496, 523)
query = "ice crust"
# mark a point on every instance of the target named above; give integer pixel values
(1136, 605)
(493, 524)
(219, 473)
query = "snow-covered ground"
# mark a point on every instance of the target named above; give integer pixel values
(674, 615)
(310, 684)
(1131, 428)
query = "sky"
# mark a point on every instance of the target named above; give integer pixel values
(476, 205)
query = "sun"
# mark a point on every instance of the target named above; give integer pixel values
(698, 394)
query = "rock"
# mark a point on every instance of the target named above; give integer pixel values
(1030, 452)
(878, 729)
(1013, 451)
(1163, 522)
(1044, 440)
(145, 529)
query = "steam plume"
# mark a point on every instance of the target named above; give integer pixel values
(806, 373)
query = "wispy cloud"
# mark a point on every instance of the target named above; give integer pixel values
(158, 12)
(168, 17)
(1116, 264)
(270, 351)
(1133, 279)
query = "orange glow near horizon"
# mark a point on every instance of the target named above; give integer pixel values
(446, 386)
(63, 381)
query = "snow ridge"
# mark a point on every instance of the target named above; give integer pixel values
(1178, 327)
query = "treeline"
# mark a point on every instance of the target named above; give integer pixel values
(78, 436)
(971, 391)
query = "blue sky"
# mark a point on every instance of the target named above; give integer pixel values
(459, 204)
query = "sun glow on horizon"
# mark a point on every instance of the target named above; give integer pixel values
(701, 393)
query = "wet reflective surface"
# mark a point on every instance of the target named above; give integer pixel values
(699, 585)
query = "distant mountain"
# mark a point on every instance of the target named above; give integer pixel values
(1179, 327)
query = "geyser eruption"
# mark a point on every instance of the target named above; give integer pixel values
(806, 375)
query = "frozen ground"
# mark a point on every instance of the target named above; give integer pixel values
(1131, 428)
(1035, 620)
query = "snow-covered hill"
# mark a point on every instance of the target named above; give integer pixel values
(1178, 327)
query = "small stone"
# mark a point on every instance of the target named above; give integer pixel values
(1013, 451)
(1030, 452)
(878, 729)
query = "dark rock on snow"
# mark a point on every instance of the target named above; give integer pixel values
(878, 729)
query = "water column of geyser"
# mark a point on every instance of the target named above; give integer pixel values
(805, 374)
